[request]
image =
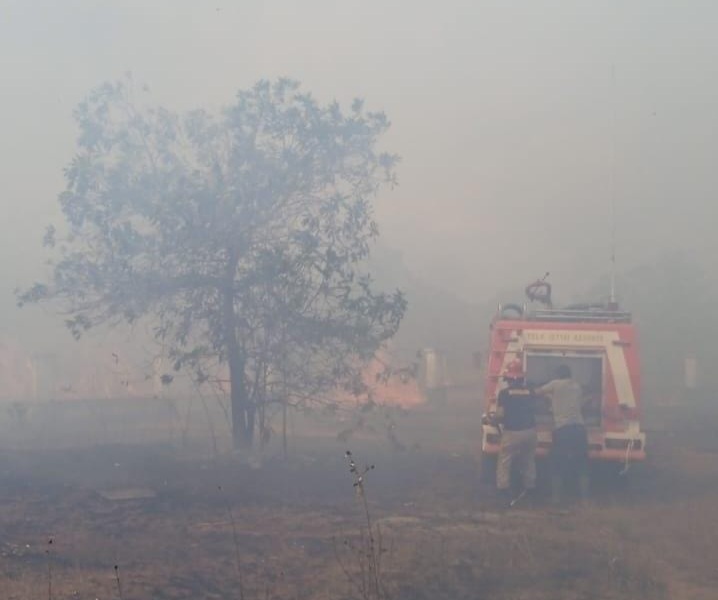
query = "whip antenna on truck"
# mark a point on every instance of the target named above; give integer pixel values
(612, 190)
(612, 300)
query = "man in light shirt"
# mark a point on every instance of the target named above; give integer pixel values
(569, 452)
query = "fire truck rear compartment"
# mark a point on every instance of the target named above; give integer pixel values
(588, 367)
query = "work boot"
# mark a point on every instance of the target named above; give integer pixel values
(503, 499)
(521, 500)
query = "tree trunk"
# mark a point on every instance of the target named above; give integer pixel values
(243, 414)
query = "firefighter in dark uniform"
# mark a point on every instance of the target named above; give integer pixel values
(516, 415)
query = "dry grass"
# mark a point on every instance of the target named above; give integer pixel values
(654, 540)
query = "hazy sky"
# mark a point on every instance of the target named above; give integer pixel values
(503, 113)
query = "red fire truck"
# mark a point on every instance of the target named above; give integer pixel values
(599, 344)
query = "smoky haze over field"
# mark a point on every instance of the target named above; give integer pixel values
(506, 118)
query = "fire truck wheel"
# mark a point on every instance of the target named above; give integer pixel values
(487, 472)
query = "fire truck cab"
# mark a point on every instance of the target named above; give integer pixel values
(599, 344)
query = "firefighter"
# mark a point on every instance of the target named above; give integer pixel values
(569, 451)
(516, 415)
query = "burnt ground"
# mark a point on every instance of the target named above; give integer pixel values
(169, 516)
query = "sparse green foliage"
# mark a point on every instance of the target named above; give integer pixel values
(241, 236)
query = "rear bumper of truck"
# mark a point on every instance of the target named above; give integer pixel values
(602, 446)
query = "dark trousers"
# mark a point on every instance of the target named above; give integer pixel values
(569, 455)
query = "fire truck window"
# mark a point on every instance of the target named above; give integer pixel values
(586, 370)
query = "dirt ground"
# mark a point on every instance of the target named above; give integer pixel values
(180, 522)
